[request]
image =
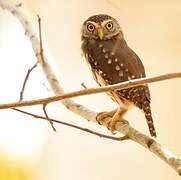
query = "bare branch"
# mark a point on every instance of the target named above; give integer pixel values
(74, 126)
(43, 62)
(26, 80)
(89, 91)
(46, 115)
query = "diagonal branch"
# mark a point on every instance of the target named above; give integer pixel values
(89, 91)
(73, 126)
(86, 113)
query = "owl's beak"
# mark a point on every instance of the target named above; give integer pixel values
(100, 33)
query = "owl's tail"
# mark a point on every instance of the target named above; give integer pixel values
(148, 115)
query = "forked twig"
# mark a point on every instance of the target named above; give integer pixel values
(46, 115)
(43, 63)
(73, 126)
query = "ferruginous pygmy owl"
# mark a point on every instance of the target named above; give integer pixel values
(112, 61)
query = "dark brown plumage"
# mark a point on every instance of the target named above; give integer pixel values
(112, 61)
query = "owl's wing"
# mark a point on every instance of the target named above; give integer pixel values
(136, 65)
(131, 64)
(128, 59)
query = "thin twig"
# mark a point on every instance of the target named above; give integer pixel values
(89, 91)
(41, 44)
(26, 80)
(46, 115)
(46, 87)
(43, 63)
(83, 85)
(73, 126)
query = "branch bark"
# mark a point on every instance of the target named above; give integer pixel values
(73, 126)
(90, 91)
(86, 113)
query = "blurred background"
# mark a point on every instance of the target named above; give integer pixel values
(29, 149)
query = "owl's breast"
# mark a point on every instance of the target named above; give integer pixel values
(113, 60)
(105, 60)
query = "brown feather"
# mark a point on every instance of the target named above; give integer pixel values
(124, 61)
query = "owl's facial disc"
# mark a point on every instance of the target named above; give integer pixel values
(101, 27)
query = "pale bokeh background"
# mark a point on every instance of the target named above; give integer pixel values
(152, 29)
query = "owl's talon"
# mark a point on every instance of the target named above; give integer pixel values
(103, 117)
(118, 116)
(112, 126)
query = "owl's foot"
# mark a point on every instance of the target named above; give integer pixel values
(103, 118)
(109, 119)
(118, 116)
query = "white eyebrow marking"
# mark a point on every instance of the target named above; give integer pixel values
(106, 21)
(92, 22)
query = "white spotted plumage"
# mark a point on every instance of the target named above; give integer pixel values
(109, 61)
(112, 61)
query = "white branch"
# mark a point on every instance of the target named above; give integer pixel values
(51, 77)
(86, 113)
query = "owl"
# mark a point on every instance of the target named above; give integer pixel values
(113, 61)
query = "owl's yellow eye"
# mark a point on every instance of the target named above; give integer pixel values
(109, 25)
(90, 27)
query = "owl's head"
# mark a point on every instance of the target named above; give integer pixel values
(101, 27)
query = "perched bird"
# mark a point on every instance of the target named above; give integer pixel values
(112, 61)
